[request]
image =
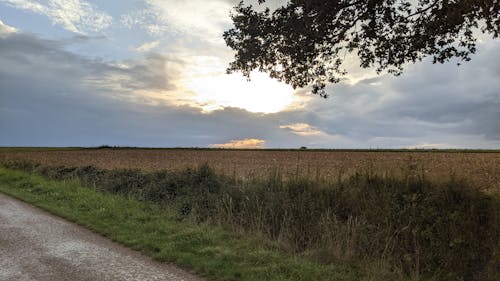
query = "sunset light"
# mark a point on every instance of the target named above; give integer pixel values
(213, 89)
(153, 73)
(261, 94)
(249, 140)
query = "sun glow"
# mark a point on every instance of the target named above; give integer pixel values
(215, 90)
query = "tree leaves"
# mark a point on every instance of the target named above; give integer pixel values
(305, 42)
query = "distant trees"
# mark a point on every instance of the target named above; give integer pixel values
(305, 41)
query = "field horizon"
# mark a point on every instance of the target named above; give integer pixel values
(479, 166)
(35, 148)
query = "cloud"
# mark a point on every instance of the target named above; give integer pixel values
(155, 72)
(52, 97)
(429, 103)
(429, 146)
(202, 19)
(302, 129)
(199, 18)
(244, 143)
(6, 29)
(148, 46)
(217, 90)
(25, 55)
(74, 15)
(146, 19)
(194, 30)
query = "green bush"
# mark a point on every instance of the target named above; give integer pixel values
(445, 231)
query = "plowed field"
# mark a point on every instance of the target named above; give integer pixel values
(482, 168)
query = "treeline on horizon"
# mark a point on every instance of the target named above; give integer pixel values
(303, 148)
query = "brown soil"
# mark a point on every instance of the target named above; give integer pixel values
(479, 167)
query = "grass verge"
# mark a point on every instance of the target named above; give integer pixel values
(389, 228)
(207, 250)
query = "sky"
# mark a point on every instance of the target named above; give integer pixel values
(152, 73)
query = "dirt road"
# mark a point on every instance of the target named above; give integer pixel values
(35, 245)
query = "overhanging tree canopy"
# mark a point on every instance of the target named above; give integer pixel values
(305, 42)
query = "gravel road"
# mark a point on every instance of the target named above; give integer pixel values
(35, 245)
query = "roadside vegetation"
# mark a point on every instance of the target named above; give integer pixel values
(207, 250)
(364, 226)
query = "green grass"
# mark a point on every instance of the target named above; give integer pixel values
(388, 228)
(207, 250)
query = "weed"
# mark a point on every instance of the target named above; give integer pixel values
(409, 226)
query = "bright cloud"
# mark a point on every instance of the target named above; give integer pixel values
(6, 29)
(146, 19)
(74, 15)
(195, 33)
(302, 129)
(148, 46)
(199, 18)
(214, 89)
(244, 143)
(260, 95)
(174, 91)
(429, 146)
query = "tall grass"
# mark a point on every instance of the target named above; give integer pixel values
(407, 226)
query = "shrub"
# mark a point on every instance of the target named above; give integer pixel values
(447, 231)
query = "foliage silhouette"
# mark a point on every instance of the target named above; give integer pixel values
(305, 42)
